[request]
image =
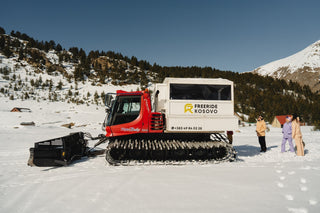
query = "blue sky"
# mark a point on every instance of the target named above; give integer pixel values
(236, 35)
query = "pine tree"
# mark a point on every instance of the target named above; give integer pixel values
(78, 74)
(58, 48)
(52, 45)
(50, 85)
(21, 54)
(7, 52)
(134, 61)
(103, 97)
(32, 83)
(26, 95)
(75, 52)
(82, 56)
(143, 80)
(70, 93)
(2, 42)
(59, 86)
(2, 31)
(96, 97)
(55, 96)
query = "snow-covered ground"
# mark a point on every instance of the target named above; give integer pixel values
(268, 182)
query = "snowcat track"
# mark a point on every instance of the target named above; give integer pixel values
(133, 152)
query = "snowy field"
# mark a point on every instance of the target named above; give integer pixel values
(268, 182)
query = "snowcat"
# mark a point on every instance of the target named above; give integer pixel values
(184, 120)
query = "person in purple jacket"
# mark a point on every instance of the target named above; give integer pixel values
(287, 135)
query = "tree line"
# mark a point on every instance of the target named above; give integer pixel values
(254, 94)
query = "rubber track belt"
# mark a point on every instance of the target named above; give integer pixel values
(132, 152)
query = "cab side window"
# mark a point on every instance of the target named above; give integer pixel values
(127, 109)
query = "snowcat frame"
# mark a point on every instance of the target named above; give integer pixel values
(136, 131)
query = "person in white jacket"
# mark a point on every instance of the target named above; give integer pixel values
(297, 135)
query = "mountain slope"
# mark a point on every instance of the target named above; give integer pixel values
(302, 67)
(29, 70)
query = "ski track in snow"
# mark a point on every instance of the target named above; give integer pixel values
(256, 182)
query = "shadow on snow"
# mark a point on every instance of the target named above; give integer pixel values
(249, 151)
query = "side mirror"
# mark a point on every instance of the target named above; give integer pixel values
(109, 99)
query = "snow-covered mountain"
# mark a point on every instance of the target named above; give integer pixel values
(302, 67)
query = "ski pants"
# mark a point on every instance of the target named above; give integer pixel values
(262, 142)
(300, 149)
(283, 145)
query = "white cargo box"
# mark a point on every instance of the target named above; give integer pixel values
(197, 104)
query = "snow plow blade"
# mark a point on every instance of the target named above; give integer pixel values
(58, 151)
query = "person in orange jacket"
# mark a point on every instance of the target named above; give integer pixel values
(261, 133)
(297, 135)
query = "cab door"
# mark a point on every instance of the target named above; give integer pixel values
(126, 115)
